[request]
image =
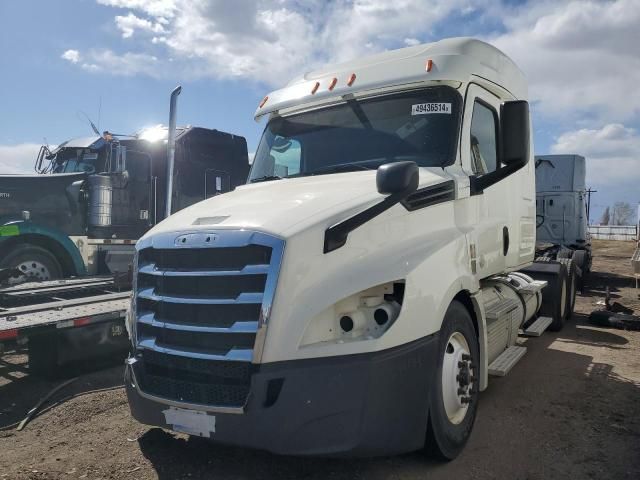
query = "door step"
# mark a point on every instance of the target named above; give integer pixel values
(538, 327)
(506, 360)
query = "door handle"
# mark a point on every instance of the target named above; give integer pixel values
(505, 241)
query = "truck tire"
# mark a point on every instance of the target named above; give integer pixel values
(554, 295)
(580, 258)
(35, 263)
(572, 283)
(453, 398)
(555, 304)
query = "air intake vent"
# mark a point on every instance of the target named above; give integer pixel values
(428, 196)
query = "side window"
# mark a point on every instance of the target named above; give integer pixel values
(484, 145)
(286, 153)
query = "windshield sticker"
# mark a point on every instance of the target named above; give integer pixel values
(424, 108)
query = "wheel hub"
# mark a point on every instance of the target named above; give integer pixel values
(31, 270)
(458, 381)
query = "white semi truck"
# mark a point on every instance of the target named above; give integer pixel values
(562, 212)
(355, 296)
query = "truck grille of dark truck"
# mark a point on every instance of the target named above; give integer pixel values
(198, 311)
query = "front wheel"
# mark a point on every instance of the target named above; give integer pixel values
(453, 397)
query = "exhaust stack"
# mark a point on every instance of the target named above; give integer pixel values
(171, 147)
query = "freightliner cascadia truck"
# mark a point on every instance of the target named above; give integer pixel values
(92, 198)
(562, 212)
(354, 297)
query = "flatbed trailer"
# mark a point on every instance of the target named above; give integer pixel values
(63, 321)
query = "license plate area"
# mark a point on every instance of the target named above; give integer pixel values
(192, 422)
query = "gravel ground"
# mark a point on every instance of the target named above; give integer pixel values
(569, 409)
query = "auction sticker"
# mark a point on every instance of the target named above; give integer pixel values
(424, 108)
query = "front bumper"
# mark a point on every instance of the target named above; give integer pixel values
(353, 405)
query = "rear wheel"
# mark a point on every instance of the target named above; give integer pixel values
(33, 262)
(555, 305)
(453, 398)
(572, 283)
(580, 260)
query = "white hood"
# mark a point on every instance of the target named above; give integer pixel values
(285, 207)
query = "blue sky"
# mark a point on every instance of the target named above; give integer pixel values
(63, 57)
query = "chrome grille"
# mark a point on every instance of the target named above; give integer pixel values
(202, 302)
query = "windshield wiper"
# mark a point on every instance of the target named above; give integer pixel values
(340, 167)
(265, 178)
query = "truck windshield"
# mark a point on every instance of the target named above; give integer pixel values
(420, 125)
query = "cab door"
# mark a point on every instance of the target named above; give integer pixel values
(504, 234)
(480, 155)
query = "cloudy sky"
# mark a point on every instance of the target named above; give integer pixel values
(117, 60)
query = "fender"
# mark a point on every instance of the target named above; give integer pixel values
(386, 249)
(14, 228)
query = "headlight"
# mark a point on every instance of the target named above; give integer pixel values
(130, 319)
(363, 316)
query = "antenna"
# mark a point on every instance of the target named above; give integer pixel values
(93, 127)
(99, 111)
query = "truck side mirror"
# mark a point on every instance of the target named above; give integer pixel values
(514, 132)
(397, 177)
(396, 180)
(514, 141)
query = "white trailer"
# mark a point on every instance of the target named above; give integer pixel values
(355, 296)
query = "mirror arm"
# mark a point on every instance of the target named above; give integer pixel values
(336, 235)
(479, 183)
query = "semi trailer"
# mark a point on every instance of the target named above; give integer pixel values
(562, 212)
(356, 295)
(65, 322)
(92, 198)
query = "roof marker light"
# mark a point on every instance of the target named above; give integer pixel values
(429, 65)
(264, 100)
(315, 88)
(332, 83)
(352, 78)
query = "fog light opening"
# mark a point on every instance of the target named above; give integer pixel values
(381, 316)
(346, 323)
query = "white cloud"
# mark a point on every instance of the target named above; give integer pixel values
(156, 8)
(612, 153)
(579, 56)
(18, 158)
(72, 56)
(126, 65)
(130, 23)
(269, 41)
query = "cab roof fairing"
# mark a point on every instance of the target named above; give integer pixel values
(455, 59)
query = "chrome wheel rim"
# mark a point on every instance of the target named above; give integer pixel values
(31, 270)
(457, 378)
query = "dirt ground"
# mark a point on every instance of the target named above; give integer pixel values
(569, 409)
